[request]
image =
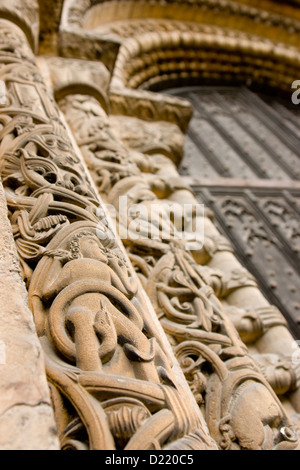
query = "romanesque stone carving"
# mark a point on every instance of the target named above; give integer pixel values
(195, 43)
(26, 14)
(86, 15)
(118, 320)
(184, 295)
(280, 372)
(25, 405)
(81, 44)
(156, 61)
(252, 324)
(159, 138)
(80, 75)
(112, 383)
(101, 334)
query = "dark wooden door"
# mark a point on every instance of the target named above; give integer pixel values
(242, 158)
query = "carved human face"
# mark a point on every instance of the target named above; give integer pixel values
(257, 420)
(90, 248)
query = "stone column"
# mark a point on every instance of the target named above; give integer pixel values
(114, 381)
(26, 414)
(221, 374)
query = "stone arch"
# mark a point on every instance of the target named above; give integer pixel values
(151, 46)
(156, 42)
(155, 60)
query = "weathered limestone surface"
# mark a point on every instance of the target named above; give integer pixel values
(26, 414)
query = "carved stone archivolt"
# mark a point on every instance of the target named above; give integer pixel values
(155, 342)
(112, 379)
(146, 46)
(169, 56)
(186, 295)
(269, 19)
(158, 48)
